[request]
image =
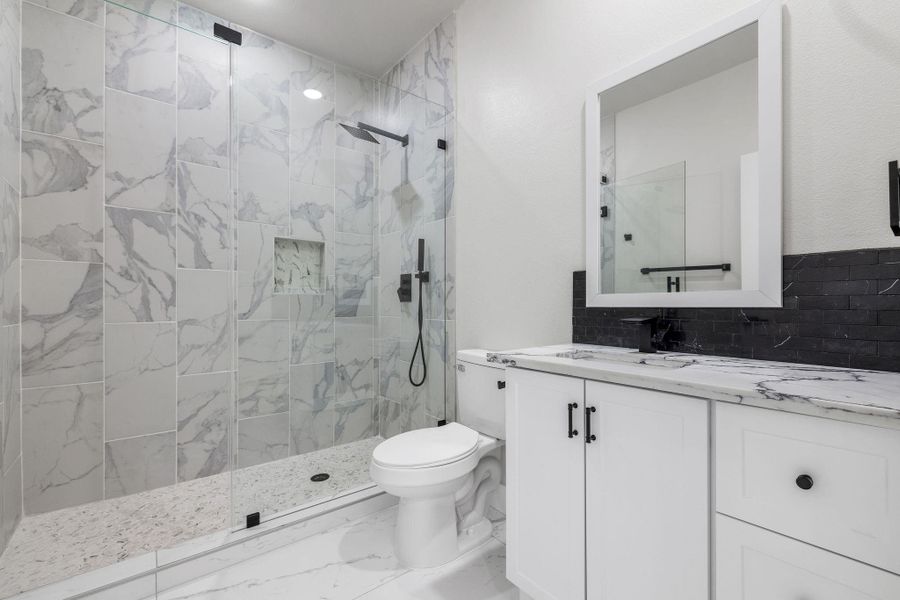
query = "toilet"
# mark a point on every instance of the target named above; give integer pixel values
(444, 475)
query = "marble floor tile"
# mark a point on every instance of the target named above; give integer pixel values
(62, 191)
(62, 75)
(62, 434)
(62, 328)
(140, 379)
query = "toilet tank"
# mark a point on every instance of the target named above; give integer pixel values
(481, 393)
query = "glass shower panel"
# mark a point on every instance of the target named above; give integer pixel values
(649, 233)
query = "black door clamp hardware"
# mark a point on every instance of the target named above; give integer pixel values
(604, 212)
(572, 432)
(227, 33)
(588, 436)
(253, 520)
(894, 185)
(442, 144)
(670, 282)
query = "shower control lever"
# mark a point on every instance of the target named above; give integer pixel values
(404, 292)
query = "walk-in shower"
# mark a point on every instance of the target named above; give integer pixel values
(209, 311)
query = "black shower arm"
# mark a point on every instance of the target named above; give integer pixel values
(404, 139)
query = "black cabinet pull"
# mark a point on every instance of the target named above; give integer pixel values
(572, 432)
(804, 482)
(588, 436)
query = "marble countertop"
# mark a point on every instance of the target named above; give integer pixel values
(868, 397)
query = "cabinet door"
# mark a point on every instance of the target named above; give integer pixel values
(755, 564)
(545, 485)
(647, 495)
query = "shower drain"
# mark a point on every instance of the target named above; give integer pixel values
(319, 477)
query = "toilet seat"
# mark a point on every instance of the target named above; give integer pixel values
(426, 448)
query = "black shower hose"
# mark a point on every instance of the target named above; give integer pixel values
(420, 345)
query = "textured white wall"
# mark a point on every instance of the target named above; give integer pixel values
(523, 70)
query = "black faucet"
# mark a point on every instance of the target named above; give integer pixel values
(648, 332)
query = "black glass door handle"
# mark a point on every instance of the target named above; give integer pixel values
(572, 432)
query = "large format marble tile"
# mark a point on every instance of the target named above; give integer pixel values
(62, 323)
(89, 10)
(312, 212)
(9, 255)
(10, 411)
(354, 421)
(62, 449)
(62, 188)
(10, 91)
(263, 374)
(309, 72)
(429, 70)
(197, 21)
(204, 234)
(263, 175)
(140, 53)
(312, 328)
(62, 75)
(203, 100)
(354, 192)
(355, 101)
(312, 140)
(140, 266)
(355, 358)
(162, 10)
(140, 379)
(263, 439)
(11, 500)
(204, 415)
(263, 72)
(256, 298)
(204, 321)
(312, 414)
(140, 152)
(389, 270)
(340, 564)
(354, 273)
(139, 464)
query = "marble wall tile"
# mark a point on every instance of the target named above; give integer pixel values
(312, 329)
(450, 269)
(299, 266)
(62, 323)
(263, 375)
(354, 272)
(196, 20)
(312, 140)
(140, 266)
(429, 70)
(140, 152)
(204, 415)
(9, 255)
(10, 430)
(263, 72)
(10, 91)
(89, 10)
(354, 421)
(450, 376)
(434, 233)
(309, 72)
(11, 501)
(163, 10)
(204, 321)
(263, 176)
(354, 192)
(256, 300)
(140, 379)
(62, 450)
(203, 100)
(312, 212)
(263, 439)
(389, 269)
(389, 418)
(140, 52)
(204, 235)
(435, 353)
(62, 188)
(355, 100)
(312, 414)
(62, 75)
(138, 464)
(394, 192)
(355, 358)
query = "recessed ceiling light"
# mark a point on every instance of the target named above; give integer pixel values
(312, 94)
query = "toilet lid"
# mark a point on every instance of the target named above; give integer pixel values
(429, 447)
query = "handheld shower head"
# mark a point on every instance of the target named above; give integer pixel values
(421, 255)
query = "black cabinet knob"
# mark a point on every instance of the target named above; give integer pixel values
(804, 482)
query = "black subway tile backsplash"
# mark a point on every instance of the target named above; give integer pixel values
(840, 309)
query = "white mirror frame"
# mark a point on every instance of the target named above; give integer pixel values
(761, 261)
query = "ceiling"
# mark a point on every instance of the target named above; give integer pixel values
(370, 36)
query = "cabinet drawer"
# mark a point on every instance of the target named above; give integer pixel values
(853, 504)
(755, 564)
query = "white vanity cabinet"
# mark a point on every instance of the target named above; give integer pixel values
(612, 504)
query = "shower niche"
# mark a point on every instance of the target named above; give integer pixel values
(299, 266)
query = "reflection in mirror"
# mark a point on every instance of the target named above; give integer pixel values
(677, 144)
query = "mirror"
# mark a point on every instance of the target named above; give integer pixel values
(684, 172)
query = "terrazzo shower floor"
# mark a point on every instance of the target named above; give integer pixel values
(56, 545)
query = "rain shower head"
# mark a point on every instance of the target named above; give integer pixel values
(364, 132)
(360, 134)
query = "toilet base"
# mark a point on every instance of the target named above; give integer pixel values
(426, 533)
